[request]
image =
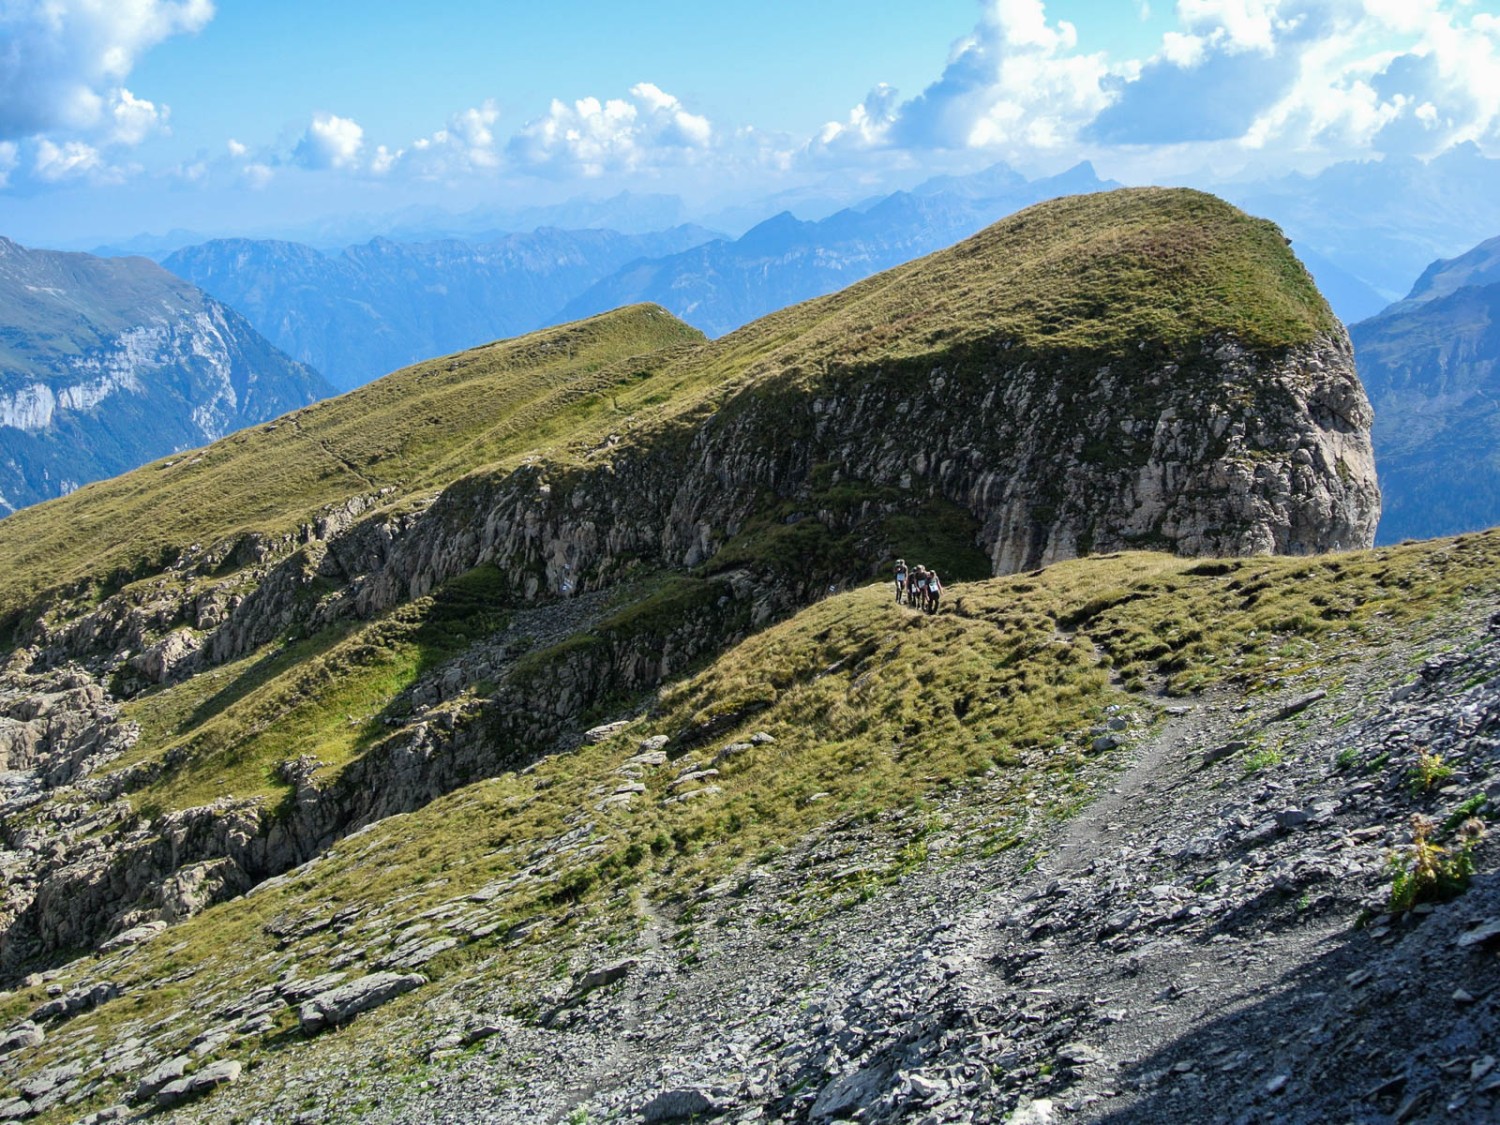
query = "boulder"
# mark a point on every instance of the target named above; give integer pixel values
(340, 1005)
(680, 1105)
(21, 1035)
(199, 1083)
(165, 1074)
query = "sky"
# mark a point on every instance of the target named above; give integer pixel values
(247, 116)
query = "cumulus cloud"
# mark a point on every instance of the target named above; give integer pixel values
(467, 143)
(1017, 83)
(133, 119)
(1386, 78)
(869, 123)
(590, 138)
(1306, 80)
(68, 161)
(331, 141)
(63, 63)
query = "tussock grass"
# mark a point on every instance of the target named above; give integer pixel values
(325, 697)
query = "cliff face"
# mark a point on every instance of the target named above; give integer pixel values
(107, 363)
(1431, 364)
(1220, 454)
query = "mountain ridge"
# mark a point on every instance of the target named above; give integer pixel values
(380, 305)
(440, 719)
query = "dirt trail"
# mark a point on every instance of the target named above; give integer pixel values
(1127, 804)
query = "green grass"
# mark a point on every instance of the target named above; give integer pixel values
(325, 697)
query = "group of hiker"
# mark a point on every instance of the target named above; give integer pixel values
(917, 587)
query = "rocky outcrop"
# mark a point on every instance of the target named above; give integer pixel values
(342, 1003)
(59, 726)
(1215, 452)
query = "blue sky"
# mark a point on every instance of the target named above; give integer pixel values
(118, 116)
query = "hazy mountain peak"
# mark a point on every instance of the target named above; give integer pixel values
(1479, 266)
(109, 362)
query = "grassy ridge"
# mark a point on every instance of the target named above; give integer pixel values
(1093, 274)
(412, 431)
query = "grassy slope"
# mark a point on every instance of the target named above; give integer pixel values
(413, 431)
(1093, 273)
(875, 711)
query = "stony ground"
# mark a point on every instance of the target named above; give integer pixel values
(1206, 940)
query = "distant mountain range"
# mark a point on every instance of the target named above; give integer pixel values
(374, 308)
(719, 286)
(106, 363)
(1382, 222)
(1431, 366)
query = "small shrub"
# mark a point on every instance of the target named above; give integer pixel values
(1428, 872)
(1463, 812)
(1428, 771)
(1262, 759)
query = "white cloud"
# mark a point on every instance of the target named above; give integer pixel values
(1234, 83)
(236, 149)
(1016, 85)
(1236, 25)
(257, 175)
(590, 137)
(868, 125)
(673, 124)
(67, 161)
(331, 141)
(466, 144)
(63, 63)
(385, 160)
(1396, 78)
(134, 119)
(9, 158)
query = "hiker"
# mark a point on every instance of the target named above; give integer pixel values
(934, 591)
(916, 589)
(900, 580)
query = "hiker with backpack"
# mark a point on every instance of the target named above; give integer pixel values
(934, 591)
(901, 576)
